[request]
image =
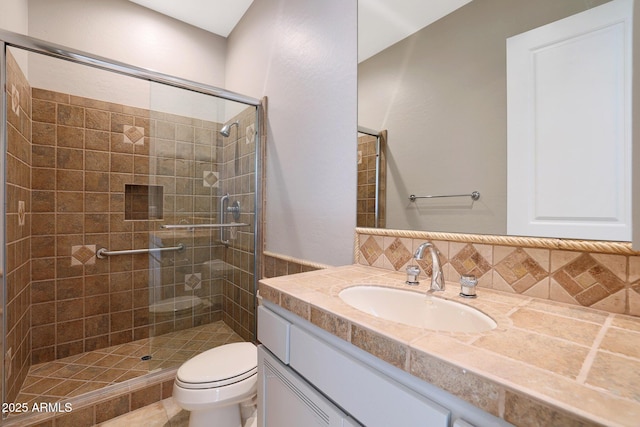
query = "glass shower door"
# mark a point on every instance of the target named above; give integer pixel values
(202, 158)
(116, 264)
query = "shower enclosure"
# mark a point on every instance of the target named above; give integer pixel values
(372, 178)
(131, 225)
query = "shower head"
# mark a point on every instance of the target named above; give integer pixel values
(226, 129)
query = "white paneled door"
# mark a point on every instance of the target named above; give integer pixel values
(569, 127)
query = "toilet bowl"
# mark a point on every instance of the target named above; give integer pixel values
(212, 384)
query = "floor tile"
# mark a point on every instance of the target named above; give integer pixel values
(72, 376)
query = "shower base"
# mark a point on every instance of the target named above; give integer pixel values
(73, 376)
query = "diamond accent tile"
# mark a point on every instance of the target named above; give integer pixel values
(22, 213)
(250, 133)
(469, 261)
(210, 179)
(192, 282)
(83, 255)
(370, 250)
(15, 100)
(585, 280)
(520, 270)
(397, 254)
(134, 135)
(588, 281)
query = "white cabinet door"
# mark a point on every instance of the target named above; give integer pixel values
(569, 127)
(286, 400)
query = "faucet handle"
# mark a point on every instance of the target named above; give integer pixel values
(413, 271)
(468, 283)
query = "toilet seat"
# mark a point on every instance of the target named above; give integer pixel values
(219, 367)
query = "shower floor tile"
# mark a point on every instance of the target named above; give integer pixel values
(81, 373)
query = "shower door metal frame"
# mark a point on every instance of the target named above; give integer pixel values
(19, 41)
(57, 51)
(378, 136)
(3, 220)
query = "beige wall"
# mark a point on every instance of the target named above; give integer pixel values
(441, 94)
(635, 209)
(302, 56)
(15, 16)
(126, 32)
(123, 31)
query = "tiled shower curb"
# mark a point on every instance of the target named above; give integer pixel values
(102, 405)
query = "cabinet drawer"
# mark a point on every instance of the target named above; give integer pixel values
(369, 396)
(286, 400)
(273, 332)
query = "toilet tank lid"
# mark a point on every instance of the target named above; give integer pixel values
(219, 363)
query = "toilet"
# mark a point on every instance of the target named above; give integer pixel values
(213, 384)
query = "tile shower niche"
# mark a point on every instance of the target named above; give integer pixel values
(142, 202)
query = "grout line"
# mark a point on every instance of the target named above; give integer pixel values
(518, 306)
(588, 361)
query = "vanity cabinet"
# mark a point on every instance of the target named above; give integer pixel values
(287, 400)
(309, 377)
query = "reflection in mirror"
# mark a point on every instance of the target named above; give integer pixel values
(441, 93)
(372, 177)
(569, 126)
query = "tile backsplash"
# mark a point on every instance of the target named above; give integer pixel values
(590, 274)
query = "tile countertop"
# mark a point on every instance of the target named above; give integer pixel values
(545, 364)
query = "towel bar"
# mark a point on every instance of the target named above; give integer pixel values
(475, 196)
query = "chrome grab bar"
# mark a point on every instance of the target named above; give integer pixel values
(474, 196)
(104, 252)
(189, 226)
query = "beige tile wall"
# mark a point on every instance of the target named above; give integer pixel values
(606, 281)
(83, 303)
(18, 226)
(84, 152)
(111, 405)
(69, 165)
(276, 265)
(238, 171)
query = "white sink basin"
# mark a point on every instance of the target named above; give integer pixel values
(416, 309)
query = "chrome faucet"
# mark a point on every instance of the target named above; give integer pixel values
(437, 278)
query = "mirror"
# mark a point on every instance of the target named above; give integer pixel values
(441, 95)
